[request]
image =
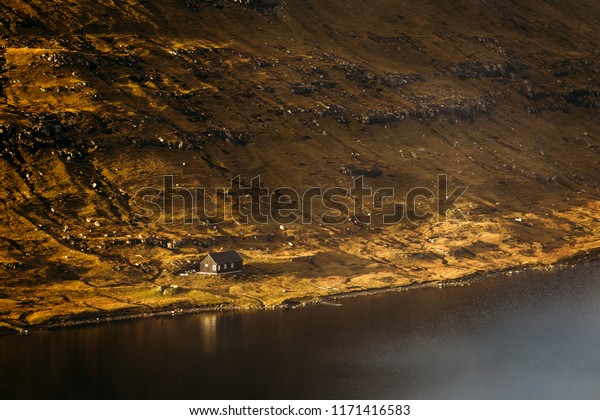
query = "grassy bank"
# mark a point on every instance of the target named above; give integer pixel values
(77, 303)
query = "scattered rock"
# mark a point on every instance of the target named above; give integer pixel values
(353, 171)
(477, 69)
(169, 290)
(196, 141)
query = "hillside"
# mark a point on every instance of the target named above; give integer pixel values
(100, 101)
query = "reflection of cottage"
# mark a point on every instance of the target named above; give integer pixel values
(221, 263)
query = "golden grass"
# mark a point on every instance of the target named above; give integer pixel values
(533, 184)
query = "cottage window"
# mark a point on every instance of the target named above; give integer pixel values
(231, 265)
(214, 266)
(206, 265)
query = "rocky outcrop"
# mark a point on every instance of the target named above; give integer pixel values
(62, 132)
(364, 77)
(453, 110)
(381, 117)
(477, 69)
(260, 5)
(196, 141)
(170, 289)
(90, 60)
(354, 171)
(3, 79)
(303, 88)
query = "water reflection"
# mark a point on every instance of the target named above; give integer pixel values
(208, 326)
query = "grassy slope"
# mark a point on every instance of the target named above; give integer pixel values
(100, 99)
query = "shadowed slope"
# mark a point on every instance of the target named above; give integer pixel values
(102, 99)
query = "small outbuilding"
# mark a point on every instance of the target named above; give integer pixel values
(225, 262)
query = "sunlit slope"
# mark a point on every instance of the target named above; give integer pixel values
(101, 99)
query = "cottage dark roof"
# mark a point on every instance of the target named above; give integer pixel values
(225, 257)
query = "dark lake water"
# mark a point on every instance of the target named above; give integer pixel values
(532, 335)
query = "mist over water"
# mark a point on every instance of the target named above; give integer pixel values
(530, 335)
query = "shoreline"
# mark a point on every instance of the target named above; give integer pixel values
(123, 315)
